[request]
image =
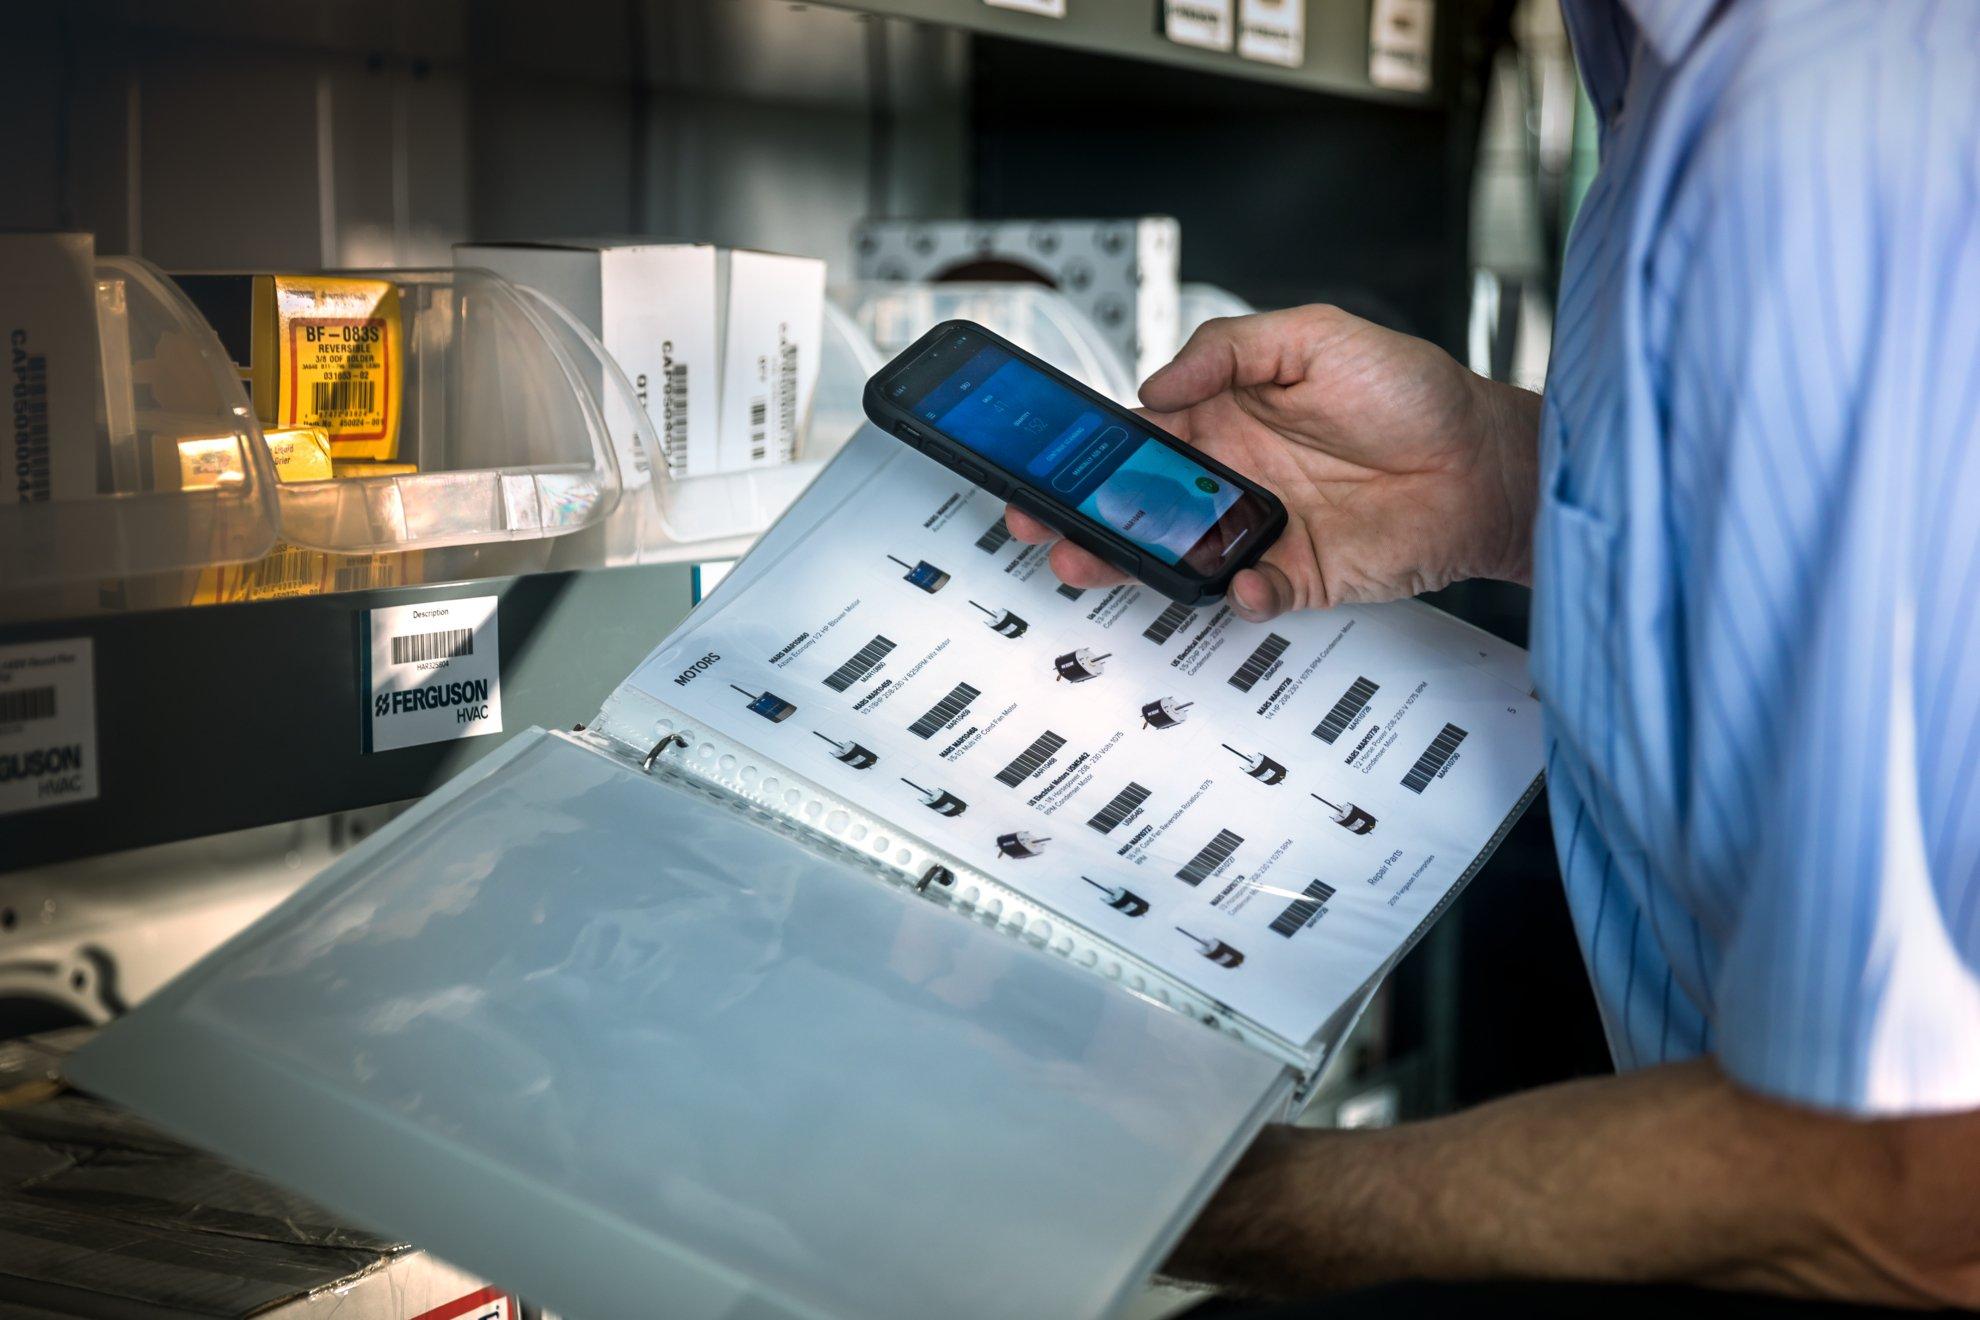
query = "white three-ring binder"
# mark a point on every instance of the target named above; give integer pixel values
(667, 1018)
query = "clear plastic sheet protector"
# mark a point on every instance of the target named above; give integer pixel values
(567, 1026)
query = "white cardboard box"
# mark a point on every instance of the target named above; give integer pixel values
(48, 438)
(773, 322)
(654, 307)
(1124, 274)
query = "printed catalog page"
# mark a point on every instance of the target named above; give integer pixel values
(1266, 811)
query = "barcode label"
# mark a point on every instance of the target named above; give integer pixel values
(1302, 910)
(943, 711)
(1072, 593)
(1215, 853)
(337, 397)
(1261, 662)
(447, 644)
(674, 407)
(759, 415)
(362, 573)
(37, 703)
(1027, 763)
(1124, 804)
(995, 539)
(1433, 759)
(1167, 622)
(787, 374)
(288, 570)
(860, 665)
(1351, 704)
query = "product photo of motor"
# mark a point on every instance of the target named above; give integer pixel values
(1260, 767)
(1165, 713)
(1124, 901)
(923, 574)
(1346, 815)
(939, 800)
(1081, 665)
(768, 704)
(1215, 950)
(850, 753)
(1003, 622)
(1021, 844)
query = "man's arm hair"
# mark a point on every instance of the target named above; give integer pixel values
(1671, 1174)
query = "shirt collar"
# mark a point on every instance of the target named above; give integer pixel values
(1670, 25)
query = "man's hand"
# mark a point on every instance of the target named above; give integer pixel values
(1400, 470)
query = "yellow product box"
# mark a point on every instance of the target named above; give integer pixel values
(361, 469)
(290, 570)
(314, 350)
(300, 453)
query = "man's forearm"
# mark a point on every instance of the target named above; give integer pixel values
(1510, 418)
(1670, 1174)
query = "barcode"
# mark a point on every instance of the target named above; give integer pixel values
(1302, 910)
(339, 397)
(1072, 593)
(362, 574)
(1351, 704)
(27, 704)
(859, 666)
(787, 374)
(1119, 809)
(1215, 853)
(1260, 663)
(289, 569)
(1433, 758)
(759, 411)
(447, 644)
(995, 539)
(1028, 761)
(1167, 622)
(944, 710)
(674, 407)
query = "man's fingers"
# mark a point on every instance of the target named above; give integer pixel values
(1027, 528)
(1079, 568)
(1233, 351)
(1261, 593)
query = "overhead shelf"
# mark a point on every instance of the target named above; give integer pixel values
(1337, 54)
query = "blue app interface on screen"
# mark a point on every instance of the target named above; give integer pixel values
(1115, 473)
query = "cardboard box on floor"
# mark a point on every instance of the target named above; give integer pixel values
(102, 1215)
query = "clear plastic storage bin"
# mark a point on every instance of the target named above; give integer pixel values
(1034, 318)
(182, 474)
(715, 517)
(504, 416)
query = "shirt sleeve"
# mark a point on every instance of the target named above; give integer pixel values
(1816, 303)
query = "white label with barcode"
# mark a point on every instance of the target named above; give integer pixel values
(432, 673)
(47, 724)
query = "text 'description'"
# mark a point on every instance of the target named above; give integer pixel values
(431, 673)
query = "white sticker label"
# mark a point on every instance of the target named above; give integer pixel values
(1048, 8)
(434, 673)
(1399, 44)
(47, 724)
(1273, 31)
(1209, 24)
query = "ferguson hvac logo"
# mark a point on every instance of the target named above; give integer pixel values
(700, 666)
(58, 768)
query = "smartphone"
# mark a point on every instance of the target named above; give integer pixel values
(1102, 477)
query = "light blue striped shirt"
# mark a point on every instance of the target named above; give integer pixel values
(1757, 565)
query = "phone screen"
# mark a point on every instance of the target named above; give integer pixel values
(1103, 462)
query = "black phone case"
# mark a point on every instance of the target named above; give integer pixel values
(1181, 587)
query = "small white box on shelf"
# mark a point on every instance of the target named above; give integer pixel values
(654, 307)
(773, 309)
(48, 446)
(1124, 274)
